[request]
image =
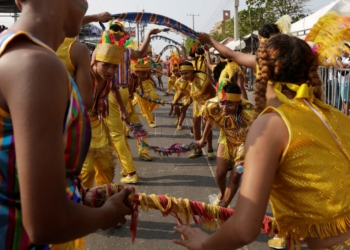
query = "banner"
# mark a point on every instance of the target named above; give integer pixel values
(152, 18)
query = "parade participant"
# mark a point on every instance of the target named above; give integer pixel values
(180, 111)
(174, 63)
(99, 162)
(146, 87)
(198, 86)
(233, 116)
(199, 59)
(226, 69)
(126, 90)
(40, 164)
(282, 25)
(289, 85)
(159, 70)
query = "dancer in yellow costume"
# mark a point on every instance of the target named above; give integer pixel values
(297, 153)
(200, 87)
(180, 111)
(233, 116)
(126, 89)
(174, 63)
(99, 162)
(146, 87)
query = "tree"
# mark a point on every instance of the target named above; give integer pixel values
(189, 43)
(261, 12)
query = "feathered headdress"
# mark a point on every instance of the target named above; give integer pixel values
(284, 24)
(174, 62)
(327, 37)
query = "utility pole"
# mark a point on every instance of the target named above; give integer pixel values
(193, 15)
(236, 37)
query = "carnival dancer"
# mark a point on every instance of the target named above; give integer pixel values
(198, 86)
(99, 163)
(226, 69)
(180, 111)
(174, 63)
(159, 69)
(295, 162)
(40, 161)
(145, 87)
(233, 115)
(126, 90)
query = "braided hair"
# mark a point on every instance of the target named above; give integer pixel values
(284, 58)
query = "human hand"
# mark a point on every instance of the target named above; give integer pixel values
(124, 115)
(103, 17)
(204, 38)
(201, 144)
(194, 237)
(117, 207)
(154, 31)
(100, 197)
(205, 47)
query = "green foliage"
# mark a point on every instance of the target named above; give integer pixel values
(189, 44)
(261, 12)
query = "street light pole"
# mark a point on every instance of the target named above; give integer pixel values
(236, 36)
(193, 15)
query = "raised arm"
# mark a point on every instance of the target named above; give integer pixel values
(136, 54)
(239, 57)
(100, 17)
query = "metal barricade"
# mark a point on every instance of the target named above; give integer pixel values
(336, 87)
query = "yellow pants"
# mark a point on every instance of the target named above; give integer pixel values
(134, 118)
(116, 131)
(147, 108)
(99, 161)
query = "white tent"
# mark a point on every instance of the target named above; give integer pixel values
(303, 26)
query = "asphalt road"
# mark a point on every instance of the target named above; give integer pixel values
(176, 176)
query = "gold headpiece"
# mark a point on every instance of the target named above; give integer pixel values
(108, 50)
(140, 64)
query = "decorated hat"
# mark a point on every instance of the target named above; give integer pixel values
(109, 50)
(140, 64)
(222, 95)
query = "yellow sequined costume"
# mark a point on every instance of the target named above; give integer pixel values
(233, 132)
(309, 196)
(230, 70)
(181, 86)
(146, 106)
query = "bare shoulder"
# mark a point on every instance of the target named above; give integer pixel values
(79, 48)
(271, 127)
(31, 70)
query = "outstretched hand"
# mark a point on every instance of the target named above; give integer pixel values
(203, 38)
(104, 17)
(194, 237)
(154, 31)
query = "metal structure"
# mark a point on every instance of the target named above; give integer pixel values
(9, 7)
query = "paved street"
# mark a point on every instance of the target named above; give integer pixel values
(176, 176)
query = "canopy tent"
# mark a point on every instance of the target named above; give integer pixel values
(246, 44)
(302, 27)
(224, 42)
